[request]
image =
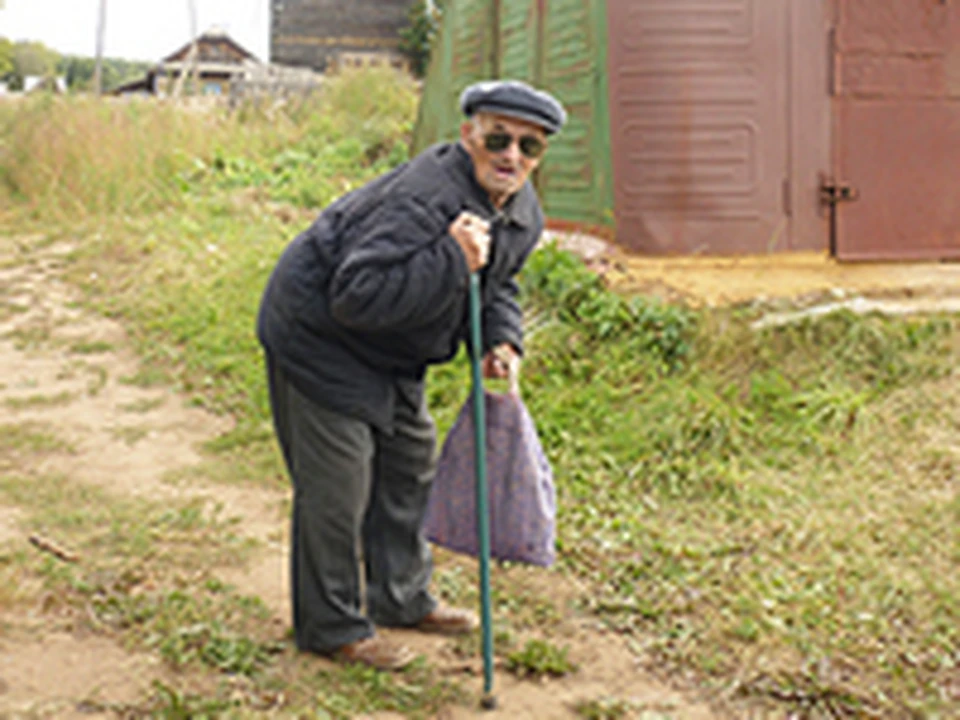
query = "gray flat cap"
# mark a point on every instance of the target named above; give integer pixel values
(514, 99)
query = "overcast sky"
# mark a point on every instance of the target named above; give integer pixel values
(136, 29)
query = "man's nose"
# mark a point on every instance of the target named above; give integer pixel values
(513, 151)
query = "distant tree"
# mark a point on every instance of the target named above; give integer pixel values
(416, 40)
(34, 58)
(79, 71)
(6, 58)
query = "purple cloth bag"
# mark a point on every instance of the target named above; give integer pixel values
(522, 502)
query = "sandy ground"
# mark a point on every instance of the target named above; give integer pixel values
(798, 277)
(48, 669)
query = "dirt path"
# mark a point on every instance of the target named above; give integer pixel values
(128, 439)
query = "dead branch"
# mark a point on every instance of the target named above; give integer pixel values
(49, 546)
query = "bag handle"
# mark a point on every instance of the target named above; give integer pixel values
(512, 361)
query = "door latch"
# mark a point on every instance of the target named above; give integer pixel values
(832, 192)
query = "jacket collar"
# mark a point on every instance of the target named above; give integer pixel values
(520, 209)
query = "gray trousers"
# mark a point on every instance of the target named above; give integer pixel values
(356, 491)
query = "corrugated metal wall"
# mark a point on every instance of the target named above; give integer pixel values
(558, 45)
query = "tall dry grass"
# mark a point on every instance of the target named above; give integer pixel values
(63, 158)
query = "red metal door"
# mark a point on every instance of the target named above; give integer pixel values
(896, 87)
(699, 93)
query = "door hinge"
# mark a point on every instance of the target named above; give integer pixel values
(833, 79)
(832, 192)
(787, 199)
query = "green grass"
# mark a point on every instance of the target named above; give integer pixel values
(91, 347)
(144, 406)
(540, 658)
(30, 438)
(769, 512)
(39, 401)
(747, 504)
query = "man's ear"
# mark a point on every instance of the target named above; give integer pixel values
(466, 130)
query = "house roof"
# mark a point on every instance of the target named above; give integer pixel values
(210, 48)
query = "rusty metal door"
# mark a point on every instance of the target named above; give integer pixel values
(699, 93)
(896, 88)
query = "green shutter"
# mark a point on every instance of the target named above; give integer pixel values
(574, 180)
(558, 45)
(464, 54)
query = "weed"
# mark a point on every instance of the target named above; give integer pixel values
(171, 704)
(143, 406)
(30, 438)
(40, 401)
(130, 435)
(93, 347)
(355, 689)
(540, 658)
(608, 708)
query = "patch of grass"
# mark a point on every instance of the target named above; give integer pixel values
(144, 406)
(129, 434)
(93, 347)
(416, 692)
(608, 708)
(31, 336)
(540, 658)
(188, 535)
(9, 310)
(148, 377)
(40, 401)
(99, 380)
(31, 439)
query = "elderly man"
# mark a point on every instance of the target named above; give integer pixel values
(359, 305)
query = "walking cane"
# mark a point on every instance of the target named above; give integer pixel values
(488, 701)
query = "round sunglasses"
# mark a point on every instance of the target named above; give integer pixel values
(531, 146)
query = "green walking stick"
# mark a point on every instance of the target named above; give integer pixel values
(488, 701)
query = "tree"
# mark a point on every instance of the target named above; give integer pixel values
(6, 58)
(34, 58)
(416, 40)
(79, 71)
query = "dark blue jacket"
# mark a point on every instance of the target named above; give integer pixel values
(377, 289)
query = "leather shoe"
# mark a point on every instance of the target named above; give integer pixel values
(375, 652)
(448, 621)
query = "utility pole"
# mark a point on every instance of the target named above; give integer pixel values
(101, 29)
(190, 64)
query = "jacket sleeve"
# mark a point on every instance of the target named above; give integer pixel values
(401, 273)
(502, 318)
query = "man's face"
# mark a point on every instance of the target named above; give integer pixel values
(504, 150)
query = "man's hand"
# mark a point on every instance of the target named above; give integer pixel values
(503, 362)
(472, 234)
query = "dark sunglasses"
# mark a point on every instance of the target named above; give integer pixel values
(531, 146)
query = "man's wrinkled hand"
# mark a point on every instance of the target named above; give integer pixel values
(472, 234)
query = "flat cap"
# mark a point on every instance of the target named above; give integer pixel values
(514, 99)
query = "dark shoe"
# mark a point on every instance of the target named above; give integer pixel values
(448, 621)
(375, 652)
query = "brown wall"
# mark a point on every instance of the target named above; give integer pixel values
(310, 33)
(896, 90)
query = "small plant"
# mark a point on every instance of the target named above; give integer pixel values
(540, 658)
(94, 347)
(603, 709)
(171, 704)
